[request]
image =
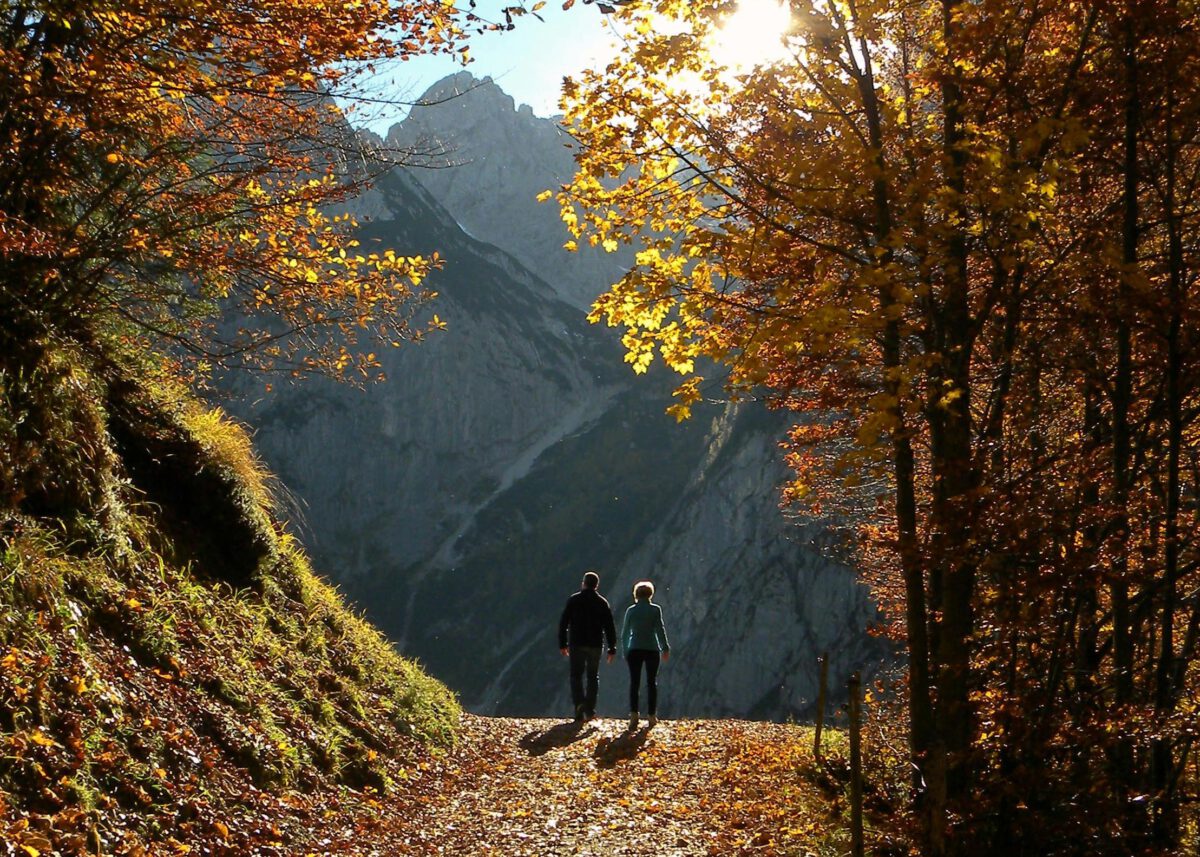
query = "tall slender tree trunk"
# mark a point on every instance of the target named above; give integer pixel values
(921, 727)
(952, 467)
(1123, 667)
(1162, 764)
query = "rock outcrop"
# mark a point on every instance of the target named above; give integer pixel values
(460, 502)
(487, 164)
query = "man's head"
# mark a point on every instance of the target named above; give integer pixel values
(591, 580)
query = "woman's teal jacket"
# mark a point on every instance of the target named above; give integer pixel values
(643, 628)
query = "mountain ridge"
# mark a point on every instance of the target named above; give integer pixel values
(486, 161)
(460, 502)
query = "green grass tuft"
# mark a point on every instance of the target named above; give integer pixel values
(165, 647)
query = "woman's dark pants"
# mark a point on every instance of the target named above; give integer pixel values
(636, 659)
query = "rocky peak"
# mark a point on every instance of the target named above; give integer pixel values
(460, 501)
(465, 91)
(487, 160)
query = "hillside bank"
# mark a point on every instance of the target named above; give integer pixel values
(174, 677)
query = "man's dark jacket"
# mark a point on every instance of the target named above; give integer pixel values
(586, 620)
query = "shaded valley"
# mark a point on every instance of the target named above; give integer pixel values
(460, 502)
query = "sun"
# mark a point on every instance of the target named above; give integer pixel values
(752, 35)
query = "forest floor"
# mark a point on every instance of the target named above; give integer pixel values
(539, 787)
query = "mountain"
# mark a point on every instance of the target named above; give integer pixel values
(486, 163)
(460, 502)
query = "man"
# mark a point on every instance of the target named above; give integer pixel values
(586, 622)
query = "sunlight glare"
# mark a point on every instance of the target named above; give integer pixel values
(752, 35)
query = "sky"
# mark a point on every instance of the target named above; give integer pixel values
(528, 62)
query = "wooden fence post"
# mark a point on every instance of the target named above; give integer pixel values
(823, 660)
(856, 784)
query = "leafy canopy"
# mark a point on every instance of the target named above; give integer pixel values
(165, 162)
(959, 236)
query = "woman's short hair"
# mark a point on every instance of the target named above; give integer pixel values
(643, 589)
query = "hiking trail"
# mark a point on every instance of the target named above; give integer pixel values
(542, 787)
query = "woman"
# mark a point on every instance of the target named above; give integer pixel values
(643, 637)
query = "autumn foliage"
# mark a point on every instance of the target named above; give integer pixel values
(165, 162)
(960, 238)
(148, 708)
(528, 788)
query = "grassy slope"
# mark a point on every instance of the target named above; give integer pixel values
(173, 676)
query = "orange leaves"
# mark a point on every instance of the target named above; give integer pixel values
(37, 737)
(182, 142)
(517, 787)
(532, 787)
(968, 267)
(153, 713)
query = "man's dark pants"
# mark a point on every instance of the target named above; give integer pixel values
(585, 658)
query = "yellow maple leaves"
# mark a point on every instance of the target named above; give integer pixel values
(754, 204)
(194, 149)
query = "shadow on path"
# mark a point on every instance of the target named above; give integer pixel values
(610, 751)
(538, 742)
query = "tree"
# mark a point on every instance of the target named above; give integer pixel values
(167, 163)
(913, 226)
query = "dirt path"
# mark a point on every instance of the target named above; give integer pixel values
(537, 788)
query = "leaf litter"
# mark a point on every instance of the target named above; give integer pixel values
(539, 787)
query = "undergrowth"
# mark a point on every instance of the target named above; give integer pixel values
(170, 666)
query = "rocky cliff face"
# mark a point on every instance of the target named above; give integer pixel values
(392, 473)
(488, 162)
(460, 502)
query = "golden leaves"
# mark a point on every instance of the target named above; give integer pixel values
(752, 206)
(537, 787)
(688, 394)
(215, 157)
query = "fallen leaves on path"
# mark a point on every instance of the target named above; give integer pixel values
(528, 788)
(532, 788)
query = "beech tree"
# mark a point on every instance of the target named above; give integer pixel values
(166, 163)
(927, 226)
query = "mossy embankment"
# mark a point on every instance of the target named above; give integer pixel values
(172, 672)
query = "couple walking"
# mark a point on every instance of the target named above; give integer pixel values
(587, 621)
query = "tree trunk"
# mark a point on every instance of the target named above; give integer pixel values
(1165, 810)
(952, 467)
(921, 726)
(1122, 761)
